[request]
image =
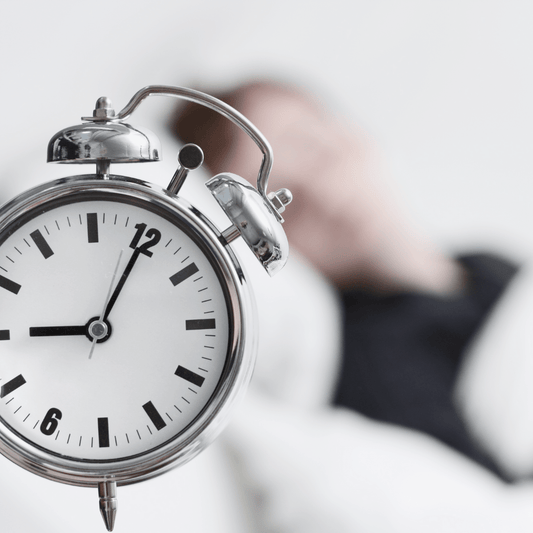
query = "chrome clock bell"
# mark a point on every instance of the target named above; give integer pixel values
(126, 322)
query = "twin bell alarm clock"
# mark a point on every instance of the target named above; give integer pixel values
(127, 328)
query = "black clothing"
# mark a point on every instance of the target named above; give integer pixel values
(402, 353)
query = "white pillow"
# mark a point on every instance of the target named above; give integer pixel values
(495, 388)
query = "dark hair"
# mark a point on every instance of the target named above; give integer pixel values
(194, 123)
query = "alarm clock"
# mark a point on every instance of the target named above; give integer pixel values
(127, 324)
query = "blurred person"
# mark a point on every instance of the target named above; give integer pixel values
(409, 312)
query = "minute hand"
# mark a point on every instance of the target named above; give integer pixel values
(122, 281)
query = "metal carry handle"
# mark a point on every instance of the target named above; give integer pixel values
(225, 110)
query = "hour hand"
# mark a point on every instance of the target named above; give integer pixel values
(53, 331)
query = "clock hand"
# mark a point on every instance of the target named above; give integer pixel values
(102, 314)
(118, 288)
(52, 331)
(56, 331)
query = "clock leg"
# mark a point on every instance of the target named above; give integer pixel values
(107, 492)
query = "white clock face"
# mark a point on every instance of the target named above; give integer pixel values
(114, 328)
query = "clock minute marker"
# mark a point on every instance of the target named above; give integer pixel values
(4, 335)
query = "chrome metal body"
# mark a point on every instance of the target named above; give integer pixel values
(224, 109)
(255, 215)
(247, 210)
(233, 382)
(105, 139)
(190, 158)
(114, 142)
(107, 492)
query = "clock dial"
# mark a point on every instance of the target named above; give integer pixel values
(115, 327)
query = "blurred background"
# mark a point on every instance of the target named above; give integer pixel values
(445, 88)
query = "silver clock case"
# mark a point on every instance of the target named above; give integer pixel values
(240, 359)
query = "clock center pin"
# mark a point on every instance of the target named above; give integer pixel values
(98, 330)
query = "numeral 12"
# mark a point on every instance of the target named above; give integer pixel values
(153, 235)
